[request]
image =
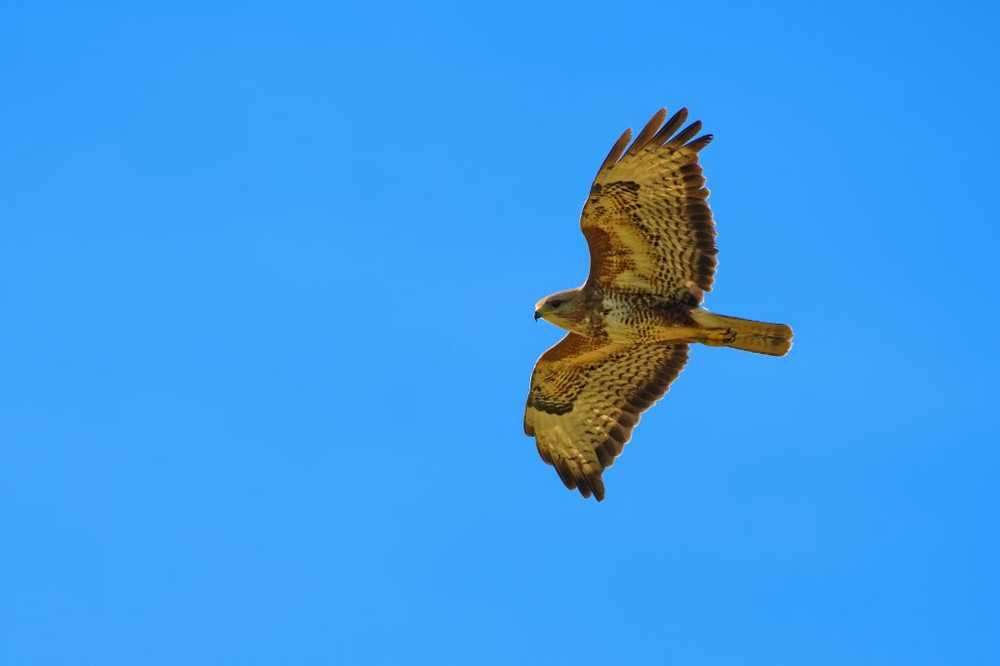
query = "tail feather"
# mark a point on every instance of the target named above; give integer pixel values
(746, 334)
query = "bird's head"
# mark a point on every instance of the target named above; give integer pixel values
(563, 308)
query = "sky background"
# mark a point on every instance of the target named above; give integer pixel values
(266, 285)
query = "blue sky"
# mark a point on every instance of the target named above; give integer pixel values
(267, 278)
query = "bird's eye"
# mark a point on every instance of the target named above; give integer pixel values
(556, 303)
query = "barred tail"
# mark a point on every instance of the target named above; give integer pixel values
(746, 334)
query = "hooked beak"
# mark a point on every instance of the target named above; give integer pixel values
(538, 315)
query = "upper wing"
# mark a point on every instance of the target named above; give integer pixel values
(586, 396)
(647, 220)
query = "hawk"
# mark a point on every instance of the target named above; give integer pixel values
(652, 258)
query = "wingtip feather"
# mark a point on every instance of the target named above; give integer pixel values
(648, 131)
(668, 130)
(617, 150)
(687, 133)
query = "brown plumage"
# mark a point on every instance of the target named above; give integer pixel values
(652, 258)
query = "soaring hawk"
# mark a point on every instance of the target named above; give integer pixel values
(652, 257)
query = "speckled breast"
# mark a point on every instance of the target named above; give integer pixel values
(641, 318)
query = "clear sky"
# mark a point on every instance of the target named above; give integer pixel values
(267, 275)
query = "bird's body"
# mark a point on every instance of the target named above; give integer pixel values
(632, 318)
(652, 256)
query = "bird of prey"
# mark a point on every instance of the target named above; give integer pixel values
(652, 258)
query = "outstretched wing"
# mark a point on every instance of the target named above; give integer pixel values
(647, 221)
(586, 396)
